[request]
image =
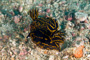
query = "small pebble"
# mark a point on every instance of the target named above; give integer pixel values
(65, 57)
(0, 37)
(1, 15)
(56, 4)
(20, 9)
(81, 16)
(48, 10)
(25, 29)
(12, 58)
(45, 52)
(6, 37)
(89, 26)
(88, 56)
(69, 19)
(73, 34)
(82, 43)
(40, 5)
(21, 53)
(82, 28)
(16, 19)
(89, 17)
(85, 21)
(62, 2)
(51, 57)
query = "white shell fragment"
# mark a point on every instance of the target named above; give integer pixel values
(81, 16)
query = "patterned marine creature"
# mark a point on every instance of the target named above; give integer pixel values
(44, 32)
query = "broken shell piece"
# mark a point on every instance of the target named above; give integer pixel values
(20, 9)
(81, 16)
(65, 57)
(51, 57)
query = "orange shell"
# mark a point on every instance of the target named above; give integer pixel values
(45, 52)
(78, 52)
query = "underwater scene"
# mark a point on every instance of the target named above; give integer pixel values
(44, 29)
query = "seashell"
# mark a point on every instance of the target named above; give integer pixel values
(20, 9)
(81, 16)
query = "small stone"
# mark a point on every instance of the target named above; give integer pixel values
(78, 39)
(51, 57)
(88, 26)
(25, 52)
(82, 43)
(25, 29)
(12, 13)
(65, 57)
(89, 17)
(20, 9)
(51, 15)
(56, 4)
(1, 15)
(45, 52)
(88, 56)
(73, 34)
(0, 37)
(40, 5)
(62, 2)
(26, 58)
(48, 1)
(10, 53)
(69, 19)
(22, 53)
(82, 28)
(48, 10)
(12, 58)
(6, 37)
(81, 16)
(14, 43)
(86, 21)
(16, 19)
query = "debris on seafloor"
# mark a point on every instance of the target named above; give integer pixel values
(81, 16)
(78, 51)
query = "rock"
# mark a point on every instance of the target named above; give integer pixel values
(16, 19)
(56, 5)
(48, 10)
(81, 16)
(20, 8)
(40, 5)
(65, 57)
(51, 57)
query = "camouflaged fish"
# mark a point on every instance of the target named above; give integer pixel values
(44, 32)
